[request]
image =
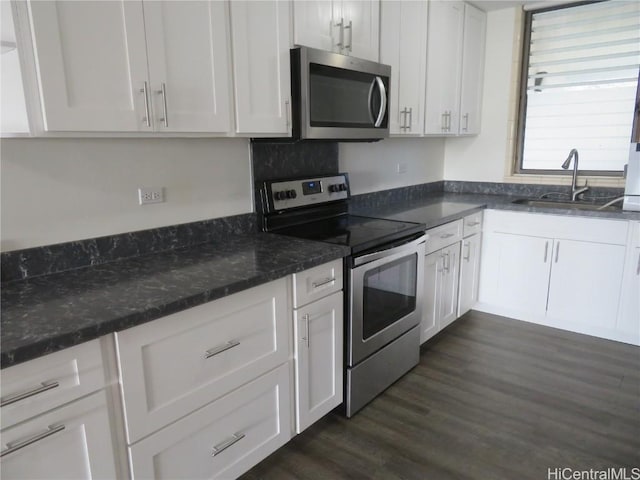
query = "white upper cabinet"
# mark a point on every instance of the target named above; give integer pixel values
(455, 67)
(403, 44)
(187, 45)
(92, 65)
(444, 55)
(475, 23)
(349, 27)
(260, 32)
(92, 60)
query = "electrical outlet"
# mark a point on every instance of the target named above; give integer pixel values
(401, 167)
(150, 195)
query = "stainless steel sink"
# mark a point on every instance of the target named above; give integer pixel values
(566, 205)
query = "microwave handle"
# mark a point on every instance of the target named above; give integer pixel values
(383, 101)
(373, 84)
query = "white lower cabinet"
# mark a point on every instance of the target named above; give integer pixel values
(451, 271)
(225, 438)
(318, 353)
(469, 273)
(441, 290)
(564, 272)
(73, 441)
(628, 323)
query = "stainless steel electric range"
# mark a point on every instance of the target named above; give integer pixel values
(384, 277)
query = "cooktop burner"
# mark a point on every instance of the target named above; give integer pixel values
(358, 233)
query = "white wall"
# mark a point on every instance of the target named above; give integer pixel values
(57, 190)
(373, 166)
(483, 158)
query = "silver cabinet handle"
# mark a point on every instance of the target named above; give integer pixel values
(472, 224)
(467, 245)
(546, 251)
(444, 122)
(287, 112)
(448, 120)
(557, 251)
(447, 235)
(638, 269)
(466, 122)
(340, 44)
(306, 322)
(403, 115)
(222, 348)
(21, 396)
(323, 282)
(446, 266)
(221, 447)
(163, 92)
(349, 46)
(383, 102)
(12, 447)
(410, 118)
(147, 115)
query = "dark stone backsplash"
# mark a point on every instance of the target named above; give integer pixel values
(527, 189)
(37, 261)
(395, 195)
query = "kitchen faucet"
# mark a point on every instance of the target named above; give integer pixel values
(575, 190)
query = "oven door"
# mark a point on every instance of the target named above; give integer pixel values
(386, 297)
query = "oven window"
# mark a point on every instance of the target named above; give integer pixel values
(389, 294)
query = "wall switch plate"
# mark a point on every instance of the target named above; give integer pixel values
(150, 195)
(401, 167)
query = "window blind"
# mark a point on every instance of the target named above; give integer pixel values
(581, 82)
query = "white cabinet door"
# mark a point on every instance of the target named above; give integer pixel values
(585, 282)
(469, 273)
(313, 25)
(629, 313)
(318, 354)
(515, 272)
(403, 43)
(475, 22)
(188, 51)
(429, 325)
(362, 28)
(449, 291)
(73, 441)
(92, 65)
(260, 35)
(444, 54)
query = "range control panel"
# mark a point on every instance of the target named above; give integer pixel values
(305, 192)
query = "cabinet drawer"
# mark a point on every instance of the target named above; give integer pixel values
(44, 383)
(472, 224)
(74, 441)
(225, 438)
(174, 365)
(443, 236)
(317, 282)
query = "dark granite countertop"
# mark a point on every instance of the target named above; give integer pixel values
(441, 208)
(49, 313)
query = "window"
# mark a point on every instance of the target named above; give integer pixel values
(578, 86)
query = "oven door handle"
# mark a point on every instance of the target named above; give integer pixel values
(397, 249)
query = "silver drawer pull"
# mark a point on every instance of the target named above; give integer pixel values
(222, 348)
(473, 224)
(21, 396)
(221, 447)
(324, 282)
(447, 235)
(12, 447)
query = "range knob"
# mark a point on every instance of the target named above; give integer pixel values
(342, 187)
(291, 194)
(279, 195)
(334, 188)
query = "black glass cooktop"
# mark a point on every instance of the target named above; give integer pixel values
(358, 233)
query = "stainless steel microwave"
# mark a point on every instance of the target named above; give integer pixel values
(338, 97)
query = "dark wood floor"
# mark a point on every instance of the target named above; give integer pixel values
(492, 398)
